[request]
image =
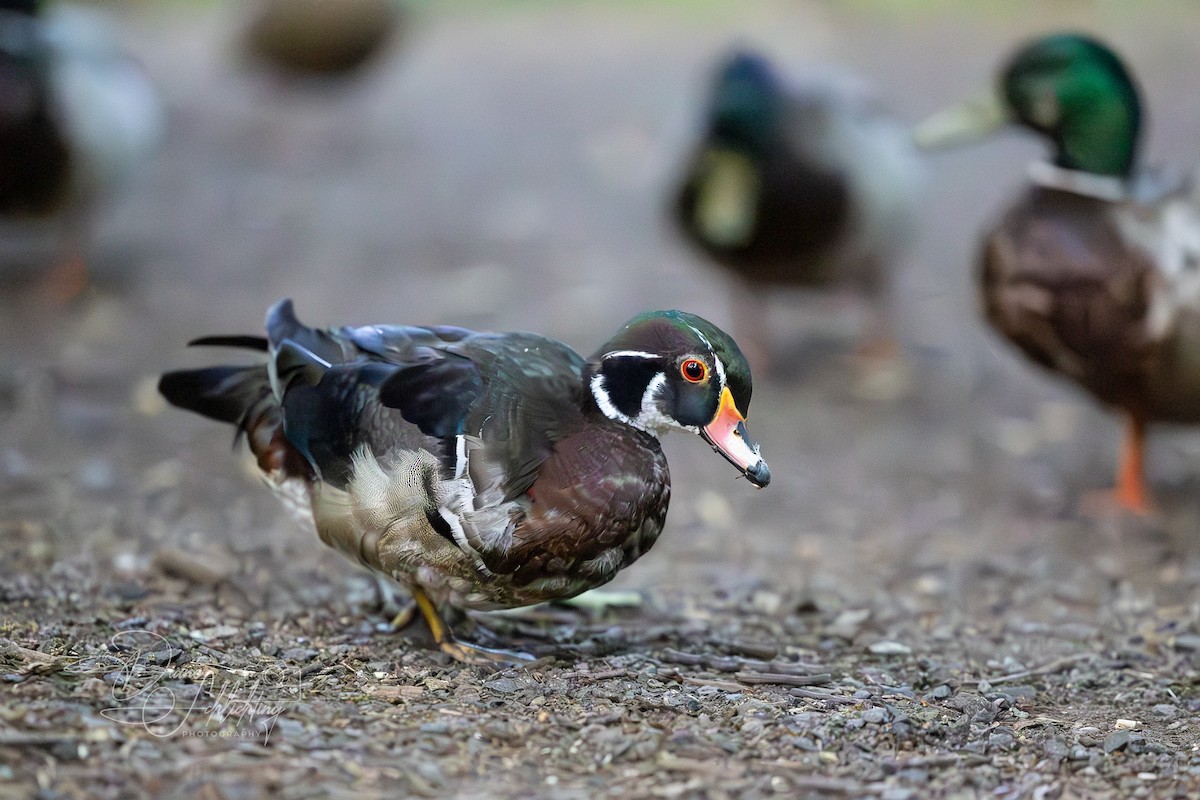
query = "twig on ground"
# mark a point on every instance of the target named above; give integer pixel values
(1056, 665)
(784, 679)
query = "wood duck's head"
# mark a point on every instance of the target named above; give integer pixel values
(671, 369)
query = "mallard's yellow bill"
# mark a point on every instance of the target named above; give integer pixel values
(962, 123)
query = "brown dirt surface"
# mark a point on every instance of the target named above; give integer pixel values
(924, 603)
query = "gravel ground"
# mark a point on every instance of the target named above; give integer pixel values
(922, 604)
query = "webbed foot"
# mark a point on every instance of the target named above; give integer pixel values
(461, 651)
(483, 656)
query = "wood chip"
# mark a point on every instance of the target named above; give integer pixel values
(784, 679)
(728, 686)
(813, 694)
(192, 567)
(10, 648)
(1056, 665)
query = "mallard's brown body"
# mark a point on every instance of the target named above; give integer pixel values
(1077, 283)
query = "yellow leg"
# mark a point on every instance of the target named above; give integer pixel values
(460, 651)
(404, 617)
(1131, 493)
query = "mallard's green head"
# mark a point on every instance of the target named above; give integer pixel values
(745, 101)
(1068, 87)
(1074, 90)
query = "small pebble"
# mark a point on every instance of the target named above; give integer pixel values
(1001, 739)
(96, 475)
(164, 656)
(1055, 749)
(298, 655)
(875, 715)
(1118, 740)
(69, 751)
(503, 685)
(1187, 641)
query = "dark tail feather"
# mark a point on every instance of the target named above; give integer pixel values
(227, 394)
(242, 397)
(245, 342)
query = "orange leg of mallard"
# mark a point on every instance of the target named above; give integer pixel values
(460, 651)
(1131, 493)
(68, 278)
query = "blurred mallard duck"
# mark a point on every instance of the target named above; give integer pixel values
(800, 183)
(321, 37)
(78, 116)
(479, 470)
(1094, 271)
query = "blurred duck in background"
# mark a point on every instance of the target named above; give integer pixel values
(78, 116)
(800, 183)
(1094, 272)
(321, 37)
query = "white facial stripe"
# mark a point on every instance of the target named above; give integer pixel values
(630, 354)
(702, 338)
(605, 402)
(720, 370)
(649, 419)
(712, 351)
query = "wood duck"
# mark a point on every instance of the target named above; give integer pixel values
(804, 183)
(1094, 271)
(77, 117)
(479, 470)
(319, 37)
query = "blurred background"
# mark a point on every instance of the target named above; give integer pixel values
(509, 166)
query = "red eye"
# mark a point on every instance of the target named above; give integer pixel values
(693, 370)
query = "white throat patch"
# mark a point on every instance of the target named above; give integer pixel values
(649, 418)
